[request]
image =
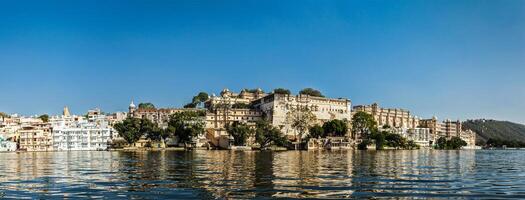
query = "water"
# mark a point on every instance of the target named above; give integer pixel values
(468, 174)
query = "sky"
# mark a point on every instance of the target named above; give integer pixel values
(453, 59)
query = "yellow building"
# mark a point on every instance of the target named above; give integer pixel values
(37, 137)
(439, 129)
(449, 129)
(228, 108)
(160, 116)
(277, 106)
(393, 117)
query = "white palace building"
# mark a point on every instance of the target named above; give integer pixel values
(72, 133)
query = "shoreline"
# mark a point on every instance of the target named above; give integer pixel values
(255, 150)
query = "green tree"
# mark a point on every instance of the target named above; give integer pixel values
(300, 119)
(44, 118)
(441, 143)
(240, 105)
(146, 105)
(456, 143)
(363, 145)
(380, 138)
(412, 145)
(396, 140)
(253, 90)
(186, 125)
(453, 143)
(200, 98)
(190, 105)
(335, 127)
(316, 131)
(129, 129)
(152, 131)
(311, 92)
(500, 143)
(363, 124)
(197, 100)
(3, 115)
(282, 91)
(266, 135)
(240, 132)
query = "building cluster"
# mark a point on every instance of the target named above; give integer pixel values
(65, 132)
(423, 132)
(94, 131)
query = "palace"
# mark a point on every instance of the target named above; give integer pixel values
(392, 117)
(94, 131)
(249, 107)
(275, 108)
(228, 108)
(399, 121)
(439, 129)
(448, 129)
(229, 98)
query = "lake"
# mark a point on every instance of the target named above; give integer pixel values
(201, 174)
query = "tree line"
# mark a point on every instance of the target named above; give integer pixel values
(508, 143)
(183, 125)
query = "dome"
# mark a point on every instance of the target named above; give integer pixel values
(132, 105)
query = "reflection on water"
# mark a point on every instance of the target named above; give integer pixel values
(289, 174)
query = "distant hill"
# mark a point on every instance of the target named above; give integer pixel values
(501, 130)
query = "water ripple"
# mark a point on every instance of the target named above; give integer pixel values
(480, 174)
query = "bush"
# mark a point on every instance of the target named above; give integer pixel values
(316, 131)
(363, 145)
(453, 143)
(311, 92)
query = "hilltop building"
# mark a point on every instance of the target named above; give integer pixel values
(229, 98)
(116, 117)
(227, 108)
(250, 106)
(66, 112)
(160, 116)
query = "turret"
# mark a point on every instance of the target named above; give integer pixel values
(132, 109)
(66, 112)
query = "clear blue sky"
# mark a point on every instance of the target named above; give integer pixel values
(453, 59)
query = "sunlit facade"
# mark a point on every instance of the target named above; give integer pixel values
(276, 107)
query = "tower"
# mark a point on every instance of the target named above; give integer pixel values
(66, 112)
(132, 109)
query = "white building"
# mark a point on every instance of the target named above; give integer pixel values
(421, 136)
(7, 145)
(72, 133)
(276, 107)
(84, 137)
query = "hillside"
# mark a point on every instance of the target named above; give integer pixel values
(501, 130)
